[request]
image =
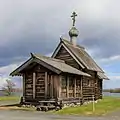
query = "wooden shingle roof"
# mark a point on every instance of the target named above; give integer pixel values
(83, 57)
(102, 76)
(55, 65)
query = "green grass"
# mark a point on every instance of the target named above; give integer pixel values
(107, 104)
(9, 98)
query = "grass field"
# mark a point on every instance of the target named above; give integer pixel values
(106, 105)
(9, 98)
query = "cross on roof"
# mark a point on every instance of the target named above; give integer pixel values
(73, 17)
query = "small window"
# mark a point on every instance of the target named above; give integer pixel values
(64, 82)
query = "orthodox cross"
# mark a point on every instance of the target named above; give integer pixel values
(73, 17)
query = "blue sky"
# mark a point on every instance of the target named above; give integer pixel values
(36, 26)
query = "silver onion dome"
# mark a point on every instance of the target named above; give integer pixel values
(73, 32)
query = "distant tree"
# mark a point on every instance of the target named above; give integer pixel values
(8, 87)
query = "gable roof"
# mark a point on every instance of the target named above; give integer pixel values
(81, 56)
(54, 65)
(80, 53)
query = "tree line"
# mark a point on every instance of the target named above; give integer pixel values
(115, 90)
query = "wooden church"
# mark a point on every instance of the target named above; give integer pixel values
(69, 75)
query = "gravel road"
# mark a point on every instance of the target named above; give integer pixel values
(34, 115)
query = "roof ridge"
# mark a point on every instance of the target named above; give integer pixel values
(77, 46)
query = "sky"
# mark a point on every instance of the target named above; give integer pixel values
(36, 26)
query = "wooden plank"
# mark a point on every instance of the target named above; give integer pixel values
(67, 86)
(75, 87)
(45, 84)
(34, 82)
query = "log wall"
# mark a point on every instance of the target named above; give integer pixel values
(28, 85)
(92, 85)
(40, 83)
(71, 86)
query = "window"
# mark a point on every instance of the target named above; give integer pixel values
(64, 82)
(64, 87)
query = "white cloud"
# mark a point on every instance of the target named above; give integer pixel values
(110, 59)
(114, 76)
(5, 71)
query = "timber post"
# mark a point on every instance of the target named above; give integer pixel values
(81, 89)
(51, 80)
(60, 80)
(23, 85)
(75, 87)
(34, 82)
(67, 87)
(45, 84)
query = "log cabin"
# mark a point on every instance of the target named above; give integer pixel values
(69, 75)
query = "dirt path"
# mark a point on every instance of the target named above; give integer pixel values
(113, 115)
(34, 115)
